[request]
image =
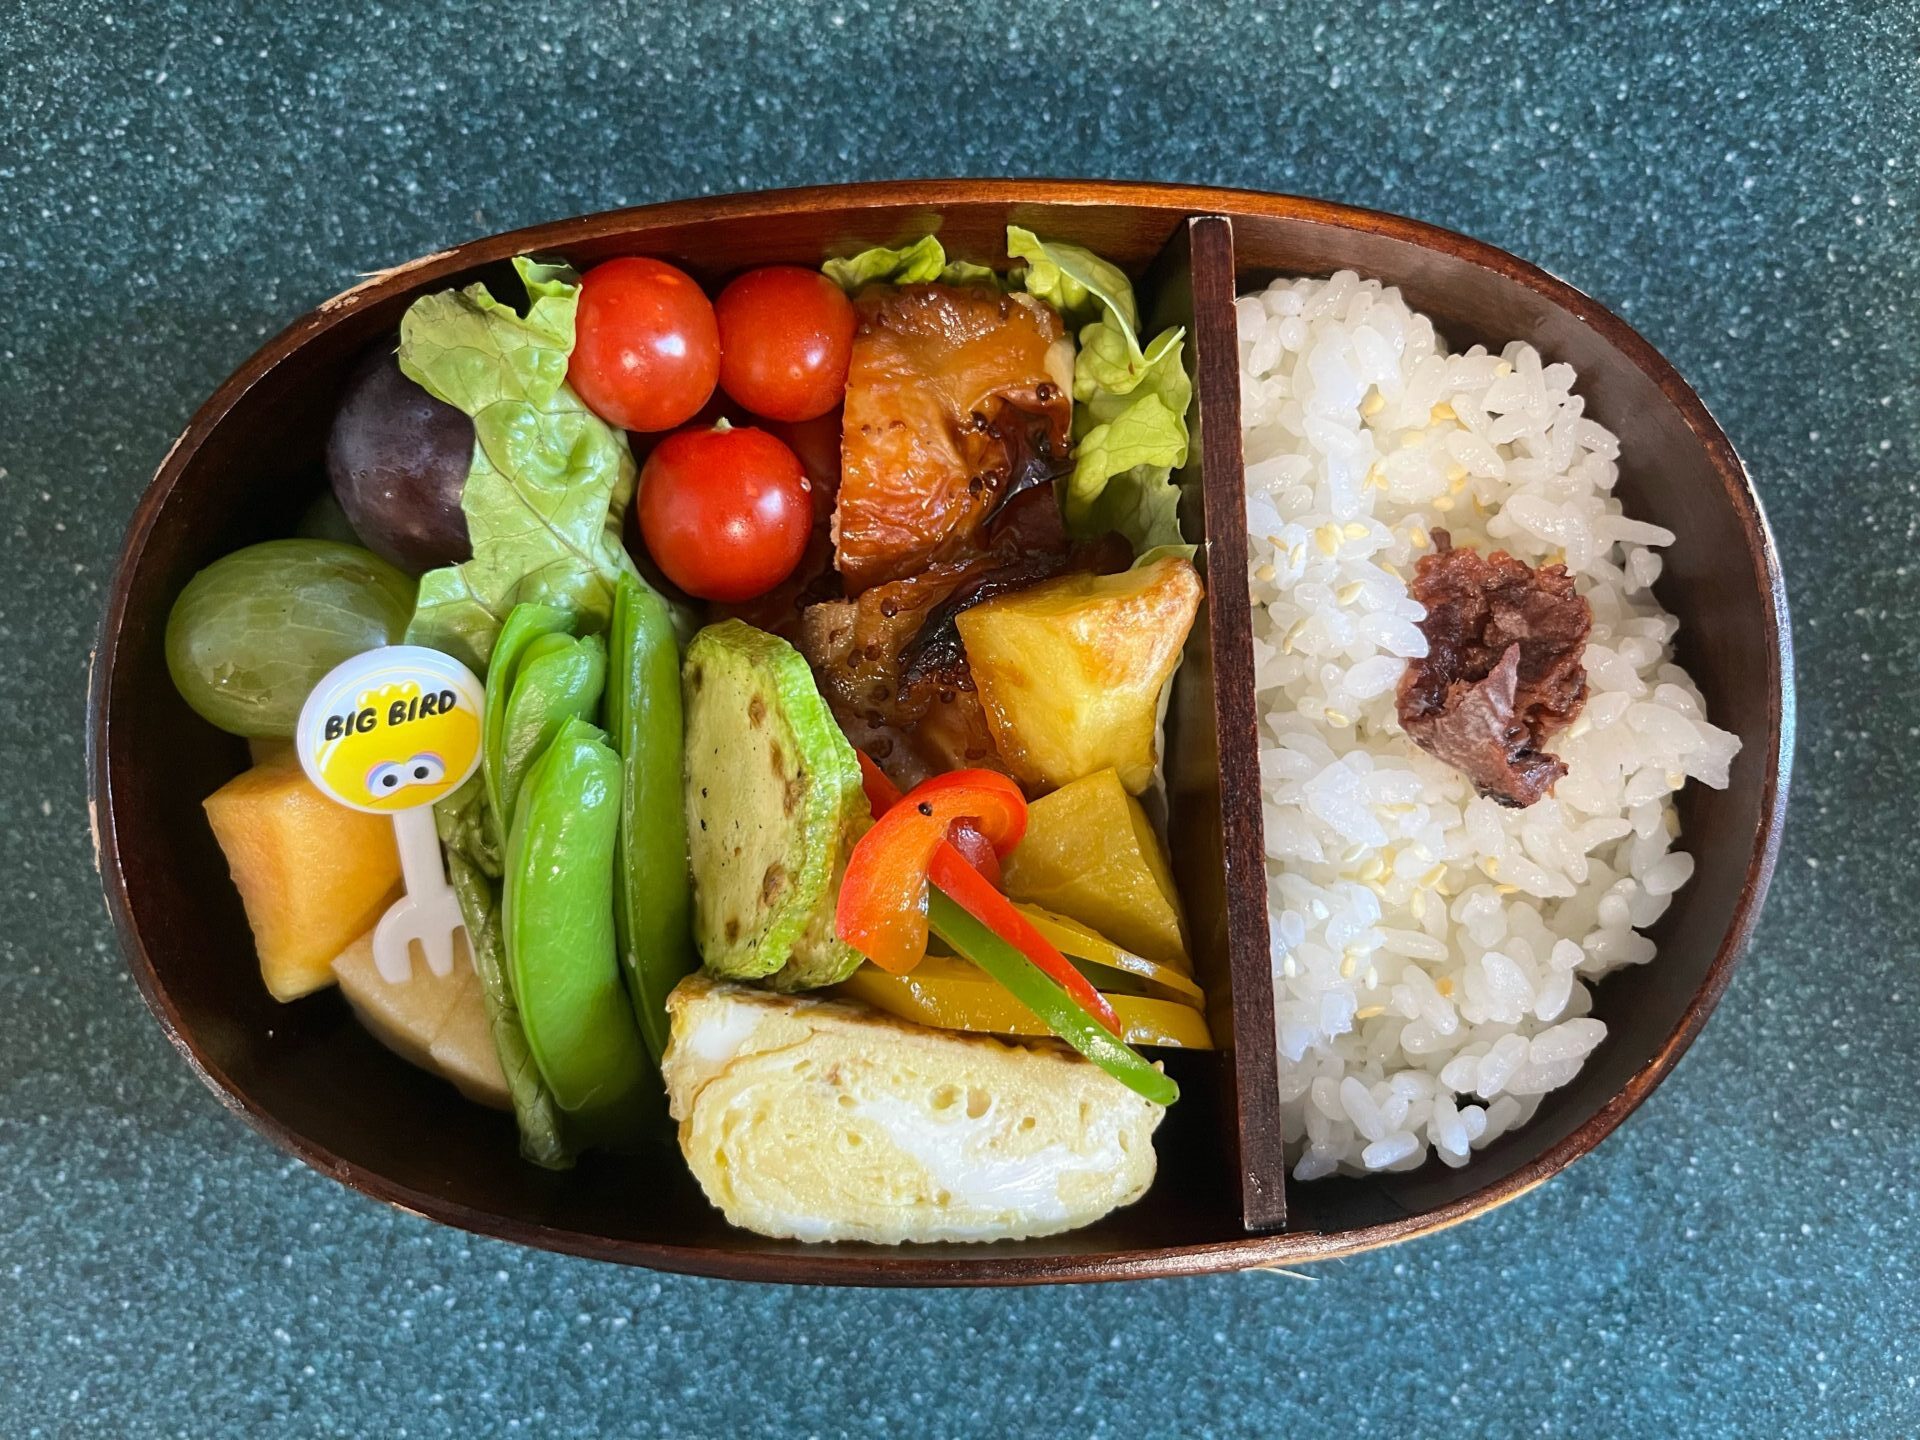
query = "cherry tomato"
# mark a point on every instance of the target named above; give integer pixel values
(646, 348)
(977, 851)
(786, 335)
(817, 444)
(724, 512)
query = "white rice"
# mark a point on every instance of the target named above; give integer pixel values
(1433, 951)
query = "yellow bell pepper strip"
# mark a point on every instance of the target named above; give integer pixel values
(1088, 947)
(1051, 1005)
(902, 932)
(952, 994)
(882, 910)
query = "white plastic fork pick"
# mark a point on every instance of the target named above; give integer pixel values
(390, 732)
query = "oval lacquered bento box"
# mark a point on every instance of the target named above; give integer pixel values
(312, 1080)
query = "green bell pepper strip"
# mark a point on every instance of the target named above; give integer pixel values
(558, 921)
(653, 890)
(1000, 959)
(560, 679)
(525, 624)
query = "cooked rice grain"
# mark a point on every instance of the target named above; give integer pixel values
(1433, 952)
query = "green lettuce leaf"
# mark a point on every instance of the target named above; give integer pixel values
(1145, 431)
(1076, 282)
(965, 272)
(550, 479)
(1143, 504)
(1182, 551)
(1131, 435)
(925, 259)
(1130, 405)
(1108, 364)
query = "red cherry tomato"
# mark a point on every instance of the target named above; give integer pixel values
(786, 335)
(646, 349)
(817, 444)
(977, 851)
(725, 513)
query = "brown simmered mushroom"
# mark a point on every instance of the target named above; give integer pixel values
(1502, 671)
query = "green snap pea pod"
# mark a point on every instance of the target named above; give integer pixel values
(653, 892)
(464, 828)
(525, 624)
(558, 920)
(560, 679)
(1055, 1009)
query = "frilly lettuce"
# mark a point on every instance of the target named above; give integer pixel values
(925, 259)
(550, 480)
(1130, 405)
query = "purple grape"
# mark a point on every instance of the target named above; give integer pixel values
(398, 459)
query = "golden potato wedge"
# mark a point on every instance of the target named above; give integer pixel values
(1070, 671)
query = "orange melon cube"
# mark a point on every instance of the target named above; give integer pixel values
(312, 874)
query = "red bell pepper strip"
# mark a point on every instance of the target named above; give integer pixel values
(974, 847)
(968, 889)
(882, 910)
(882, 793)
(946, 865)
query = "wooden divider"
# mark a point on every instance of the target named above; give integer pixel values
(1213, 766)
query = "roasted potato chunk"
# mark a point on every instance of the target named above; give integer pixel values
(1070, 671)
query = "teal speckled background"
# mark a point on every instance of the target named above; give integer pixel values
(1739, 180)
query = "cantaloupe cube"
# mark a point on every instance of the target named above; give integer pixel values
(312, 874)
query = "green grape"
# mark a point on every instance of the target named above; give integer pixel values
(325, 520)
(255, 631)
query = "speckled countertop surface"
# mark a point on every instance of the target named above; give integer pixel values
(1740, 180)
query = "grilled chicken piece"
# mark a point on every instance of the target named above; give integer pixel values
(958, 398)
(912, 729)
(890, 662)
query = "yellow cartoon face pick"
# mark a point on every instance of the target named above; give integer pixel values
(392, 729)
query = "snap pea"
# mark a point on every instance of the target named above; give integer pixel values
(525, 624)
(558, 920)
(472, 864)
(560, 679)
(1048, 1001)
(653, 896)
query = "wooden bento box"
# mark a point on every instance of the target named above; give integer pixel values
(312, 1080)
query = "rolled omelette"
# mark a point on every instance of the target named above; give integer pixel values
(815, 1120)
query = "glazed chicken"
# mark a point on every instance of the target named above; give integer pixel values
(958, 399)
(890, 662)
